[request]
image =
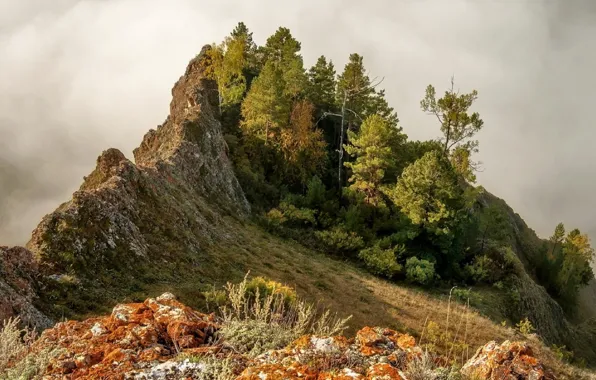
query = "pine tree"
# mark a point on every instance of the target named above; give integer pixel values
(457, 125)
(372, 149)
(267, 106)
(322, 84)
(282, 50)
(354, 88)
(251, 66)
(266, 109)
(377, 105)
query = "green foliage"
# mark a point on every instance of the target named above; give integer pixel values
(315, 193)
(525, 327)
(562, 353)
(292, 216)
(565, 264)
(322, 84)
(493, 225)
(266, 108)
(382, 262)
(255, 323)
(457, 125)
(374, 148)
(282, 51)
(420, 271)
(339, 240)
(224, 63)
(428, 193)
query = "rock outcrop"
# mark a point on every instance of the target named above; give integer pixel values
(133, 334)
(18, 293)
(134, 222)
(163, 339)
(507, 361)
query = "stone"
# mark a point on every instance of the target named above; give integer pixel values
(509, 360)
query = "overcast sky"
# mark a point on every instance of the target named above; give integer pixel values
(78, 77)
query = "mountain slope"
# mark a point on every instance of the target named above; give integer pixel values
(176, 220)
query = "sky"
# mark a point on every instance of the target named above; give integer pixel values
(80, 76)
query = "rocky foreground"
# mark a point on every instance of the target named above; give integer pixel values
(163, 339)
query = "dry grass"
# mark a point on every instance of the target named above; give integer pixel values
(341, 287)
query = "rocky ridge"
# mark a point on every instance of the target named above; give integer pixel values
(130, 223)
(156, 338)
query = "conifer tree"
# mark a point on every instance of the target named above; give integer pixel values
(452, 111)
(267, 106)
(372, 148)
(458, 126)
(322, 84)
(265, 109)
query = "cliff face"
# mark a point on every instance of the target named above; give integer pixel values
(131, 222)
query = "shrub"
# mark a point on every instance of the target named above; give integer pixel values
(420, 271)
(266, 288)
(274, 219)
(338, 240)
(562, 353)
(15, 344)
(380, 261)
(525, 326)
(315, 193)
(212, 367)
(480, 269)
(297, 217)
(11, 344)
(256, 324)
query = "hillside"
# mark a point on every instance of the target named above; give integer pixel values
(177, 220)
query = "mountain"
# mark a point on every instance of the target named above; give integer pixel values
(177, 219)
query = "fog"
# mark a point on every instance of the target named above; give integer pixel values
(78, 77)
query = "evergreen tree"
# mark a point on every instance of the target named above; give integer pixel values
(457, 125)
(251, 66)
(372, 149)
(322, 84)
(451, 110)
(354, 89)
(377, 105)
(282, 50)
(266, 109)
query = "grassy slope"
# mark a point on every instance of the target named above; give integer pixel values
(340, 286)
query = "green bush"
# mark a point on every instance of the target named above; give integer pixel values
(420, 271)
(298, 217)
(254, 323)
(338, 240)
(480, 269)
(525, 326)
(315, 193)
(380, 261)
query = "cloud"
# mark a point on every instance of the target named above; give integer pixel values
(78, 77)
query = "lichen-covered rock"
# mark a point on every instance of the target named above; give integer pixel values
(131, 337)
(371, 355)
(18, 279)
(507, 361)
